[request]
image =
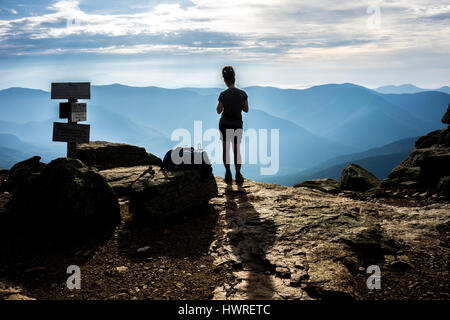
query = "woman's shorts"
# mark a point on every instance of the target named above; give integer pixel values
(229, 133)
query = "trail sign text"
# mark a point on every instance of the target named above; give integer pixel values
(71, 132)
(66, 90)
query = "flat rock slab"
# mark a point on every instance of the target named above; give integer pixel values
(106, 155)
(120, 179)
(302, 243)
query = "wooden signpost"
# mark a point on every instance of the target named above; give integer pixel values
(73, 111)
(71, 132)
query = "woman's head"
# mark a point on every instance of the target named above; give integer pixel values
(228, 75)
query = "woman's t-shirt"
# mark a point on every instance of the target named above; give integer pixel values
(233, 100)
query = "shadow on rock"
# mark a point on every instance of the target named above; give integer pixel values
(38, 262)
(189, 234)
(250, 237)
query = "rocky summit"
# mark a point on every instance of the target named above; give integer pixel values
(189, 235)
(258, 241)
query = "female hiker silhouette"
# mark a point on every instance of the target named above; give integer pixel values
(231, 104)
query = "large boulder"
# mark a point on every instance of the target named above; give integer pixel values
(446, 117)
(356, 178)
(106, 155)
(22, 171)
(427, 163)
(66, 195)
(159, 194)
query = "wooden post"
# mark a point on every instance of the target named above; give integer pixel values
(71, 132)
(71, 146)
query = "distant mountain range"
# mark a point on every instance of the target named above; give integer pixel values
(409, 88)
(380, 161)
(316, 124)
(13, 150)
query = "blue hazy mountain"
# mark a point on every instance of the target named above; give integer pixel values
(8, 157)
(105, 125)
(408, 88)
(22, 105)
(147, 117)
(12, 150)
(348, 113)
(205, 91)
(445, 89)
(380, 161)
(315, 124)
(428, 106)
(404, 88)
(170, 109)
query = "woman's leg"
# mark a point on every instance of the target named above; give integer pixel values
(237, 156)
(226, 154)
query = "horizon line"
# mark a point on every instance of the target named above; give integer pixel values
(247, 86)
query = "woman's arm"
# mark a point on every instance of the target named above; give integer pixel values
(245, 108)
(219, 107)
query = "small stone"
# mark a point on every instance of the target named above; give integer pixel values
(9, 291)
(122, 269)
(179, 285)
(19, 297)
(143, 249)
(119, 296)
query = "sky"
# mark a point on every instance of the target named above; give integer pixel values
(282, 43)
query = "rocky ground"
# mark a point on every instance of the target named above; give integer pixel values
(256, 240)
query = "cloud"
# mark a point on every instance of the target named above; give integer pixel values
(372, 35)
(282, 26)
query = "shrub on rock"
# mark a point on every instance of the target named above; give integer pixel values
(356, 178)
